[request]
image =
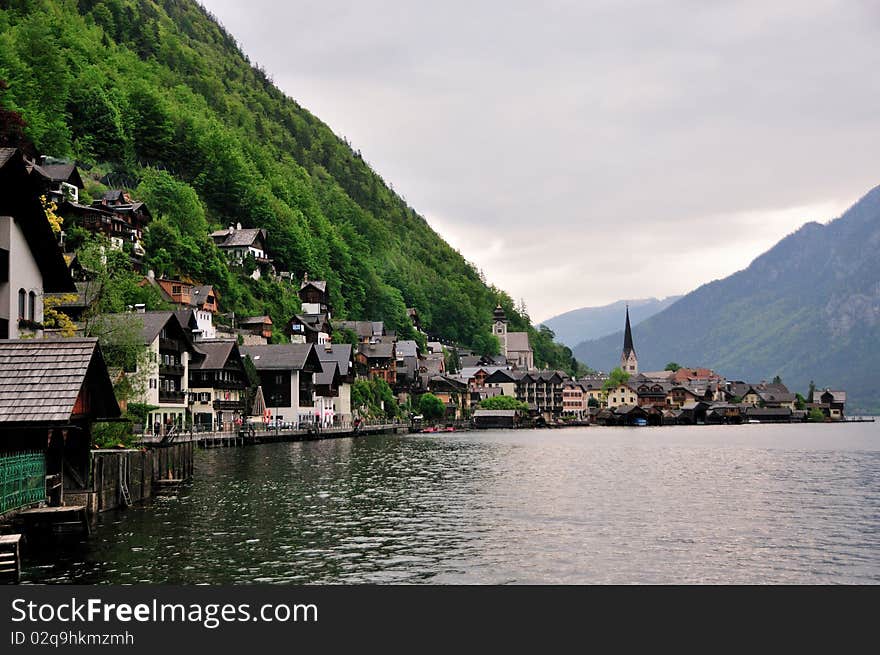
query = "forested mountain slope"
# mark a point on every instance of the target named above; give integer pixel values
(155, 96)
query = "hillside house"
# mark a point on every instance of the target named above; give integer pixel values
(59, 179)
(313, 324)
(241, 245)
(132, 215)
(255, 330)
(377, 361)
(31, 263)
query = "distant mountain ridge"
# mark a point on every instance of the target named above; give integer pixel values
(807, 309)
(586, 323)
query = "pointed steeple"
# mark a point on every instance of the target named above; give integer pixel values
(627, 337)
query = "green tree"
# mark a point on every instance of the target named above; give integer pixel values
(503, 402)
(431, 407)
(816, 415)
(672, 366)
(452, 362)
(616, 378)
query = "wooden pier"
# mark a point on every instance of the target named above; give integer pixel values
(10, 557)
(54, 520)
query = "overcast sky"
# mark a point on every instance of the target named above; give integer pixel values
(580, 153)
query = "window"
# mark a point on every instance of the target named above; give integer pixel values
(175, 289)
(22, 300)
(4, 266)
(32, 306)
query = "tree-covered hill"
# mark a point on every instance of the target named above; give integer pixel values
(155, 96)
(807, 309)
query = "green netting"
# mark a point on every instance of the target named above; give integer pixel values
(22, 480)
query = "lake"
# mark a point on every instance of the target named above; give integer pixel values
(727, 504)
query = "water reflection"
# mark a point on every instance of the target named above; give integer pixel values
(750, 504)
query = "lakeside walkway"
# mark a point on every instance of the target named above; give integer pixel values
(246, 437)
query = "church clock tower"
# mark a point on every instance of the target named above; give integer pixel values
(499, 328)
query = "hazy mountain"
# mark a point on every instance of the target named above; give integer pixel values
(586, 323)
(807, 309)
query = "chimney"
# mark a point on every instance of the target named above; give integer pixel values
(238, 226)
(140, 308)
(151, 275)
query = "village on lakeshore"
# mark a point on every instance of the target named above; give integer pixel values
(197, 378)
(191, 373)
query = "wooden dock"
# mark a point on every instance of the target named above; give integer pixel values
(10, 557)
(55, 520)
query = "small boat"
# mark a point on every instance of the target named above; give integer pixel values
(429, 430)
(641, 422)
(449, 429)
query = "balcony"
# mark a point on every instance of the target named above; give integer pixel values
(225, 384)
(228, 405)
(169, 345)
(175, 370)
(175, 397)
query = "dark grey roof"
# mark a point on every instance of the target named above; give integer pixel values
(838, 395)
(501, 375)
(377, 350)
(40, 381)
(362, 328)
(150, 324)
(311, 322)
(61, 173)
(240, 238)
(339, 353)
(327, 376)
(407, 348)
(21, 200)
(201, 292)
(255, 320)
(518, 342)
(320, 285)
(217, 354)
(283, 357)
(187, 318)
(494, 412)
(153, 322)
(6, 154)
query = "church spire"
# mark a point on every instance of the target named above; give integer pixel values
(627, 337)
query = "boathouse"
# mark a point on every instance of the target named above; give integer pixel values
(495, 418)
(51, 393)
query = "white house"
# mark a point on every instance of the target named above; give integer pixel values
(31, 263)
(287, 379)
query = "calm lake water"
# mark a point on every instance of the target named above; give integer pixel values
(748, 504)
